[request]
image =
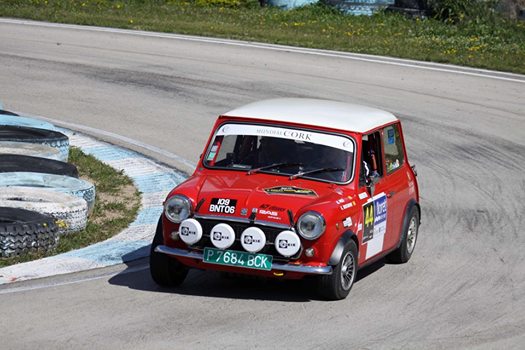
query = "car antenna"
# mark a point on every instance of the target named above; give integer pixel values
(253, 215)
(199, 205)
(290, 216)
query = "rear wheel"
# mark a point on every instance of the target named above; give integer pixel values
(408, 241)
(165, 271)
(337, 285)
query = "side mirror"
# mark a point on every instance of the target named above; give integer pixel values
(414, 170)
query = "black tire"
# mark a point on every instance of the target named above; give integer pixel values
(27, 134)
(33, 135)
(4, 112)
(165, 271)
(23, 231)
(408, 241)
(18, 163)
(337, 285)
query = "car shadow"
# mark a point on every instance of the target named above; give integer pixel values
(213, 284)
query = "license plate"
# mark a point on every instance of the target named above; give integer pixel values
(236, 258)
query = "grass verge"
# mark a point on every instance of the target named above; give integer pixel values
(493, 43)
(116, 206)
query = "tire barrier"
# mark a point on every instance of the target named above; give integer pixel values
(23, 231)
(60, 183)
(31, 149)
(21, 163)
(69, 212)
(24, 121)
(33, 135)
(4, 112)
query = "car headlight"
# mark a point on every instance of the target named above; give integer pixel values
(177, 208)
(311, 225)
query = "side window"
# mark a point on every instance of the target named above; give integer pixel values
(394, 156)
(371, 157)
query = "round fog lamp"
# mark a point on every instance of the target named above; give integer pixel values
(222, 236)
(190, 231)
(287, 243)
(253, 239)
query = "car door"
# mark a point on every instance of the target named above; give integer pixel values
(396, 180)
(376, 209)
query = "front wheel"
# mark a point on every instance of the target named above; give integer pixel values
(337, 285)
(165, 271)
(408, 240)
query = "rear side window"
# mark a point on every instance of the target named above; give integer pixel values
(394, 156)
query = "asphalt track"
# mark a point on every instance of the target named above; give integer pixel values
(465, 131)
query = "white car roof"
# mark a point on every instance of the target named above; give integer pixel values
(324, 113)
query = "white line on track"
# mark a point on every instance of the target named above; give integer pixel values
(65, 283)
(517, 78)
(95, 131)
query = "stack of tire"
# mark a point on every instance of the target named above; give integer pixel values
(41, 196)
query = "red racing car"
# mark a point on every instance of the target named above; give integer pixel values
(293, 187)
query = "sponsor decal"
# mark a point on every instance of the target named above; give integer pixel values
(374, 229)
(185, 231)
(347, 205)
(218, 236)
(244, 211)
(411, 189)
(271, 207)
(359, 227)
(340, 142)
(363, 195)
(284, 244)
(391, 136)
(285, 133)
(347, 222)
(344, 199)
(223, 205)
(249, 239)
(268, 212)
(213, 152)
(290, 190)
(374, 213)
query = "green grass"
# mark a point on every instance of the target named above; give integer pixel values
(116, 206)
(493, 43)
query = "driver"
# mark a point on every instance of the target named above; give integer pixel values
(274, 150)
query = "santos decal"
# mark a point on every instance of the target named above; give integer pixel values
(290, 190)
(374, 228)
(223, 205)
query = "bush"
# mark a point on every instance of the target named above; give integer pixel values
(464, 10)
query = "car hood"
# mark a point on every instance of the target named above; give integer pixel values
(261, 197)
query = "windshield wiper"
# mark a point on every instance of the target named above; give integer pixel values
(314, 171)
(271, 166)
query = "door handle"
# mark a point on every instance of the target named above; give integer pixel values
(390, 194)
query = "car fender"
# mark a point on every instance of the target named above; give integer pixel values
(337, 253)
(411, 203)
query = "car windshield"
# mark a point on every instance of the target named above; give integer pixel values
(292, 152)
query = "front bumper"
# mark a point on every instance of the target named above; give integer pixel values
(313, 270)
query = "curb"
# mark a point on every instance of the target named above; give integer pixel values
(151, 178)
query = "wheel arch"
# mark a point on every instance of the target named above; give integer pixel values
(411, 203)
(337, 253)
